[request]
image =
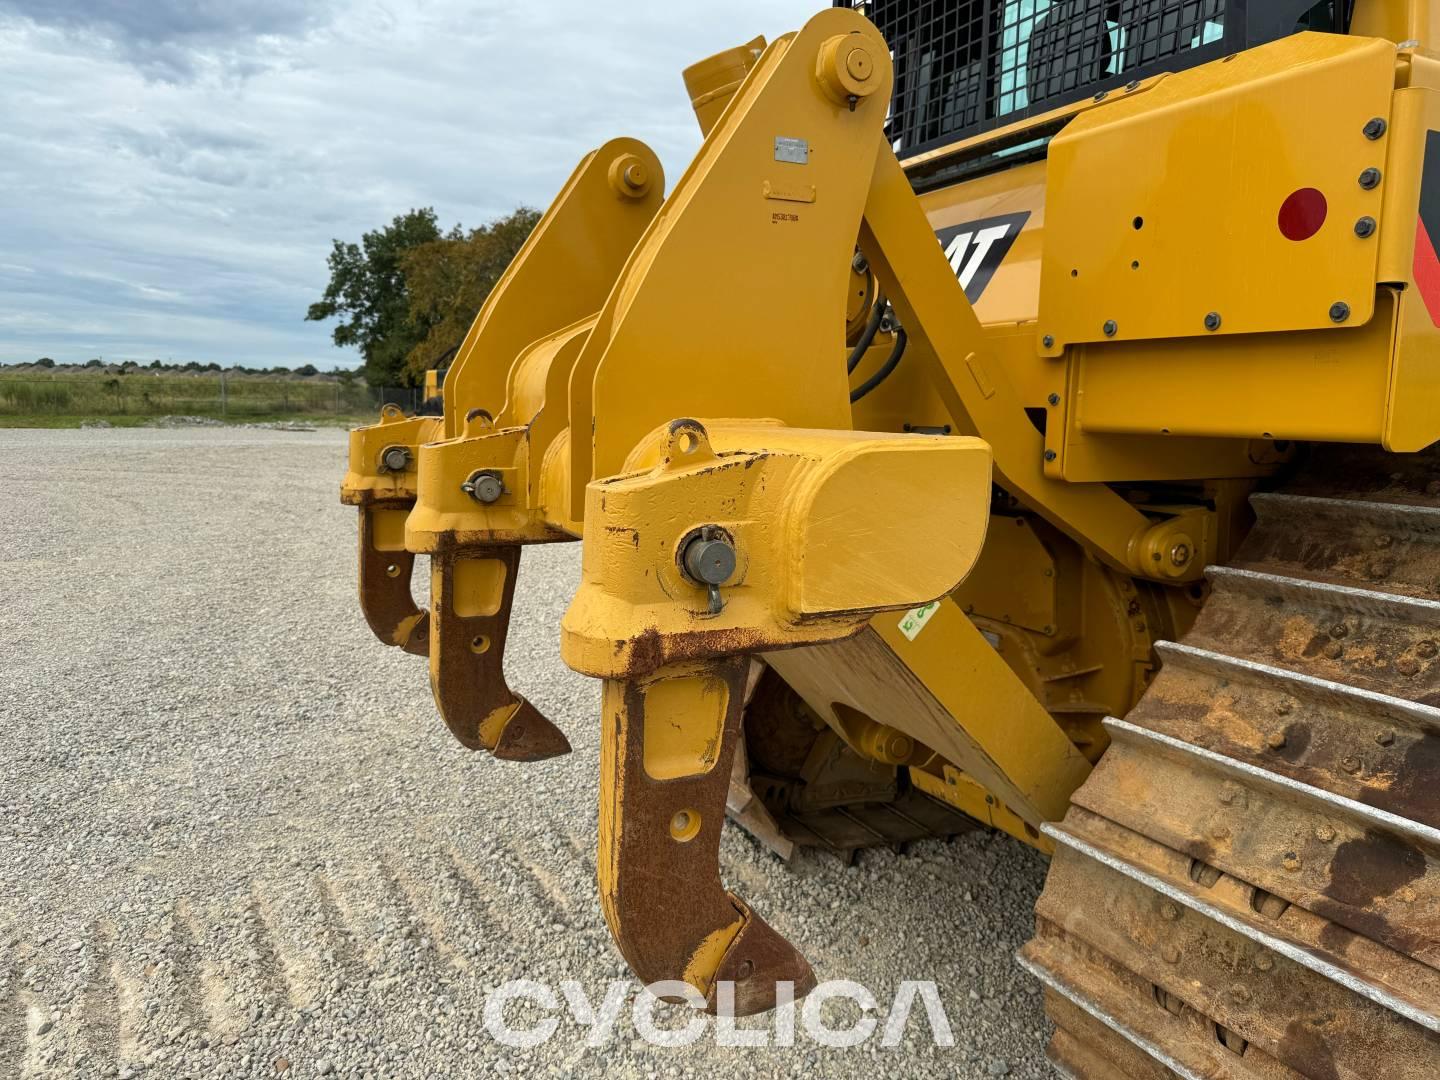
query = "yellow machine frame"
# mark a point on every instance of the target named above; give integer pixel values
(733, 504)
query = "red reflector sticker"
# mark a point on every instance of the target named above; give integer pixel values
(1427, 272)
(1302, 214)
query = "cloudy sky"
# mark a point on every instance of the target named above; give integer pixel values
(173, 170)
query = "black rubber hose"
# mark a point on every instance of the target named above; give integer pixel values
(867, 336)
(891, 362)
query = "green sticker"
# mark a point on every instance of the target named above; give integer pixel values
(915, 619)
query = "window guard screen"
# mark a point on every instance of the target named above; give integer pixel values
(966, 66)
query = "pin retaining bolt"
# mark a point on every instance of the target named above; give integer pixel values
(708, 559)
(484, 486)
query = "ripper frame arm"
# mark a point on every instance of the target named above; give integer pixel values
(811, 527)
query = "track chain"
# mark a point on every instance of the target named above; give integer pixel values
(1248, 885)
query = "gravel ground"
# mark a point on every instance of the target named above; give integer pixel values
(236, 841)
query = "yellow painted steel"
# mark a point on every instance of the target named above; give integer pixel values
(823, 523)
(946, 335)
(787, 229)
(651, 377)
(962, 792)
(1396, 20)
(1186, 226)
(581, 240)
(367, 476)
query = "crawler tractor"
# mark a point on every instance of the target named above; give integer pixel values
(1017, 413)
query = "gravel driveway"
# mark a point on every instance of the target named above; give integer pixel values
(237, 841)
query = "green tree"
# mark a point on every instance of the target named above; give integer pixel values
(45, 362)
(367, 293)
(447, 280)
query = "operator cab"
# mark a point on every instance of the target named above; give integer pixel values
(966, 67)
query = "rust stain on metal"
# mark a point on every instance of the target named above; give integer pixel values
(385, 597)
(1371, 867)
(469, 682)
(1330, 881)
(667, 898)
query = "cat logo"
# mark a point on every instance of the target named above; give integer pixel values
(977, 248)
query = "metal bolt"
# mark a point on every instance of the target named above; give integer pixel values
(1283, 708)
(1170, 954)
(1212, 321)
(1240, 993)
(1050, 455)
(1384, 540)
(1370, 179)
(484, 486)
(1334, 650)
(1339, 630)
(1048, 341)
(1111, 327)
(1385, 738)
(1351, 764)
(859, 263)
(1375, 128)
(1339, 311)
(1133, 84)
(1053, 399)
(1169, 911)
(1407, 666)
(1292, 861)
(1365, 227)
(1276, 741)
(1179, 554)
(1324, 834)
(1427, 649)
(1264, 962)
(395, 458)
(1219, 832)
(709, 560)
(1102, 95)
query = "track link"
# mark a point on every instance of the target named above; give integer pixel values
(1248, 885)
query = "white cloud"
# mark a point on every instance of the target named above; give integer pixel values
(175, 170)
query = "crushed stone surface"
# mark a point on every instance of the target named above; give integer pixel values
(237, 841)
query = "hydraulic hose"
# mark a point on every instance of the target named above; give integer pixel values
(891, 362)
(867, 336)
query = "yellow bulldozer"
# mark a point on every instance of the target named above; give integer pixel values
(1017, 413)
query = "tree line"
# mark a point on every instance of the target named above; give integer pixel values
(406, 294)
(189, 367)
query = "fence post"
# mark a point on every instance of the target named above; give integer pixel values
(224, 403)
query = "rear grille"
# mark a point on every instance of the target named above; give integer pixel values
(966, 66)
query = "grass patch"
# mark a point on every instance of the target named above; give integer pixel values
(130, 420)
(125, 399)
